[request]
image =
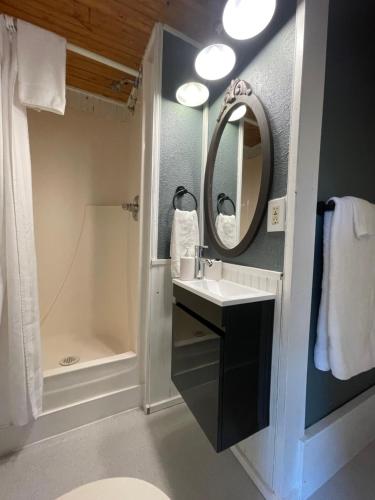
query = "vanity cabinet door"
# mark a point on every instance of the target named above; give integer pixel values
(247, 371)
(196, 350)
(223, 372)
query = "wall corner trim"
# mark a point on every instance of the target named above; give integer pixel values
(253, 474)
(303, 169)
(333, 441)
(164, 404)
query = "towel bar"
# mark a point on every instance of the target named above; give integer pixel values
(323, 207)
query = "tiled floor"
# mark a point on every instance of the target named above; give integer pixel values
(355, 481)
(168, 449)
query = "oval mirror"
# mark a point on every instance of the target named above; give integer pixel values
(238, 171)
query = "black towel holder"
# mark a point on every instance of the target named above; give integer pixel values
(221, 198)
(181, 191)
(323, 207)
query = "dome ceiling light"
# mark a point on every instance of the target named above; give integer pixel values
(238, 113)
(243, 19)
(192, 94)
(215, 61)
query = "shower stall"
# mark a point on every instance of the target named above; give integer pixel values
(85, 168)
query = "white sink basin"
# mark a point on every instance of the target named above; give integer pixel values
(223, 292)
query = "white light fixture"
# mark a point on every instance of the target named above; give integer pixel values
(238, 113)
(215, 61)
(192, 94)
(244, 19)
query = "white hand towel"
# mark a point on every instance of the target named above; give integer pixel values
(321, 355)
(364, 217)
(41, 68)
(226, 227)
(348, 296)
(184, 237)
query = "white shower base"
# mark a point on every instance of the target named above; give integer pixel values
(79, 394)
(88, 379)
(86, 347)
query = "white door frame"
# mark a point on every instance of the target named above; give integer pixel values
(151, 109)
(153, 287)
(303, 171)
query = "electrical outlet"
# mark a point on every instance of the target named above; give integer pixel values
(276, 215)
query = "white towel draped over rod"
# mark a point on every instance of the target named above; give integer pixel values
(346, 326)
(12, 26)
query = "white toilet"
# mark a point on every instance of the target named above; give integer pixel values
(116, 488)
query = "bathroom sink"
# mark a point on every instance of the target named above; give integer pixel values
(224, 292)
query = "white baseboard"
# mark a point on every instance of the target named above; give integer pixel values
(255, 477)
(162, 405)
(333, 441)
(69, 417)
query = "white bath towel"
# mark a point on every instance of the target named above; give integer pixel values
(41, 68)
(364, 217)
(184, 237)
(346, 326)
(321, 354)
(226, 227)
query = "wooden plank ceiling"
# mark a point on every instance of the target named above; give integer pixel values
(116, 29)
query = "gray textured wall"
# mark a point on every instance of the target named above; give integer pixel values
(270, 74)
(347, 166)
(181, 137)
(268, 62)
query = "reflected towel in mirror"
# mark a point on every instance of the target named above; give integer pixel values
(226, 227)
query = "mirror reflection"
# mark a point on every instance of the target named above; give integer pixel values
(237, 177)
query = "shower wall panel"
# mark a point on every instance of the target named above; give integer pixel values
(85, 164)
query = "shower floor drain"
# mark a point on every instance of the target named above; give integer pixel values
(69, 360)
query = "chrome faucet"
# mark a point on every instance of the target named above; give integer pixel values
(200, 262)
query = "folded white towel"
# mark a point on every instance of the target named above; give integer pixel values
(346, 324)
(41, 68)
(321, 355)
(226, 227)
(184, 237)
(364, 217)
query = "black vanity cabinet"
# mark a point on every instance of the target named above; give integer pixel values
(221, 364)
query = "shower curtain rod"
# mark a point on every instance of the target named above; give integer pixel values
(101, 59)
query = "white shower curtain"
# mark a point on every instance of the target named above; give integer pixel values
(20, 367)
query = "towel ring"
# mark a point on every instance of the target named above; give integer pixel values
(181, 191)
(221, 198)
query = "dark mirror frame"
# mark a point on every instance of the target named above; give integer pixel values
(239, 92)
